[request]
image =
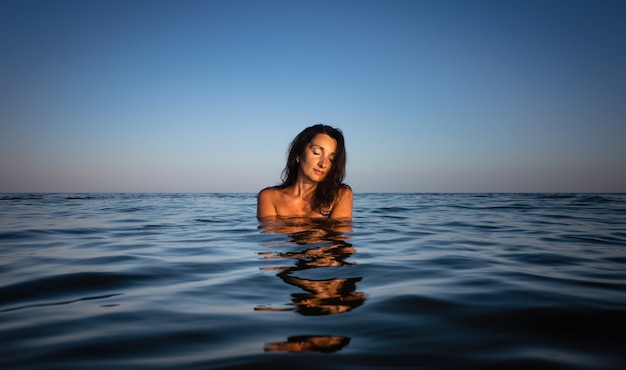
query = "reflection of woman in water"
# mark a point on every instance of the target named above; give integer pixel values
(309, 343)
(313, 243)
(326, 246)
(312, 179)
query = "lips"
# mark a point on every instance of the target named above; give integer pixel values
(318, 172)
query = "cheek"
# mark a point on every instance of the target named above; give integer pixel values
(307, 158)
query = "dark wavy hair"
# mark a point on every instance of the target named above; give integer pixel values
(328, 189)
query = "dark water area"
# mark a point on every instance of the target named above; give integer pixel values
(194, 281)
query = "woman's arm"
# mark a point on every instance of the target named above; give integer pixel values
(343, 205)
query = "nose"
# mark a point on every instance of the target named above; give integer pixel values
(323, 162)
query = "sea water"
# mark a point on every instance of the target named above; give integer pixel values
(195, 281)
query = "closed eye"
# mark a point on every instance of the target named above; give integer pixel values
(315, 149)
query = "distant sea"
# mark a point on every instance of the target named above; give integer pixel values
(194, 281)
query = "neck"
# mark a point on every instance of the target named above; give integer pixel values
(304, 190)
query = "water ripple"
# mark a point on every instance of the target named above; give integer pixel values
(416, 280)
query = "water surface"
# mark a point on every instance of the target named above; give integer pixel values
(416, 280)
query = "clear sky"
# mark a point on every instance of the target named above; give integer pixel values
(205, 96)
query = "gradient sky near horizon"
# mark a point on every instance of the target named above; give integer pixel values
(205, 96)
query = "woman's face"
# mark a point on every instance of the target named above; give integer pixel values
(317, 158)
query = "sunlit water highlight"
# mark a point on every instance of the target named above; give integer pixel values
(416, 280)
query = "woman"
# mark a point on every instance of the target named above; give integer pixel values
(312, 179)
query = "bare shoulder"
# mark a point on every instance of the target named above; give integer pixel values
(266, 202)
(344, 194)
(268, 192)
(345, 191)
(343, 203)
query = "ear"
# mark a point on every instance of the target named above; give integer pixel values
(297, 159)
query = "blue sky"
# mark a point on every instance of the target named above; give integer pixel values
(205, 96)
